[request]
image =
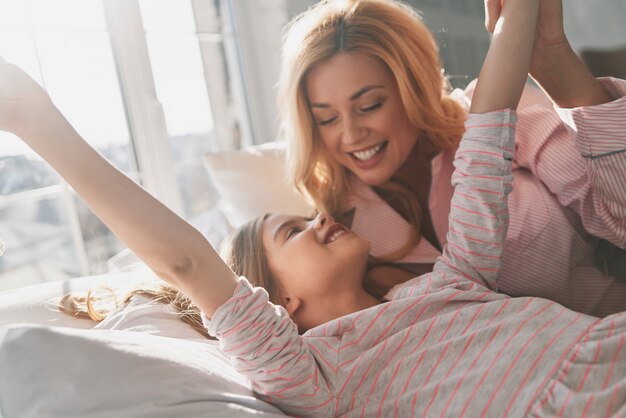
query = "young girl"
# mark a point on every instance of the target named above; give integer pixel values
(444, 346)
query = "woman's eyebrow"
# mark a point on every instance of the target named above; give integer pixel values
(353, 97)
(364, 90)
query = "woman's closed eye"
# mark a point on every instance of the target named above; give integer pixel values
(328, 121)
(372, 107)
(366, 109)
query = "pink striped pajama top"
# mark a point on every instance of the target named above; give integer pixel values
(569, 179)
(446, 345)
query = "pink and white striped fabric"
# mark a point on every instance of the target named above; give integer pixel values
(446, 345)
(569, 181)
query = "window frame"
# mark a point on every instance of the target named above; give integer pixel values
(145, 118)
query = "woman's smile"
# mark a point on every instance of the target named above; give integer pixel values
(369, 157)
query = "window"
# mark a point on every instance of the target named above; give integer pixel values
(144, 83)
(46, 230)
(458, 28)
(175, 51)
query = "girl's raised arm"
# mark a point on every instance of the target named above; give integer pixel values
(505, 69)
(482, 179)
(176, 251)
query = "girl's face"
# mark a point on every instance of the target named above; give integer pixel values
(316, 262)
(356, 104)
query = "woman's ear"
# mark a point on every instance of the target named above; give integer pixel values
(292, 304)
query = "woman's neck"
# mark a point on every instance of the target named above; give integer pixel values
(414, 173)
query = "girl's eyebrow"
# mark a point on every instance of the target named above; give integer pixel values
(353, 97)
(288, 223)
(282, 226)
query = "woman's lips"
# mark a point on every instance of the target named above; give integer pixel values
(369, 157)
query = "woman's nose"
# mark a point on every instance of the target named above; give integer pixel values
(352, 131)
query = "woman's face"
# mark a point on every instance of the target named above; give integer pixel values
(313, 260)
(356, 105)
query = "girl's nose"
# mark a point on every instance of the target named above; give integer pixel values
(321, 219)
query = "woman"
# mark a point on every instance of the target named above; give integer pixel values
(428, 352)
(372, 134)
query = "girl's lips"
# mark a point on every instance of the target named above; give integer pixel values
(332, 230)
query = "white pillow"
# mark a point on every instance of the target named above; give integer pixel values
(64, 372)
(38, 303)
(253, 181)
(142, 314)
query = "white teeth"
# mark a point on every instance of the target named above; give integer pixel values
(368, 153)
(336, 235)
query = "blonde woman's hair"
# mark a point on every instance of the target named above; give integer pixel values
(392, 33)
(244, 253)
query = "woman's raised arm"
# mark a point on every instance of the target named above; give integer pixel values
(176, 251)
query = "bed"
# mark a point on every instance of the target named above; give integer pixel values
(142, 360)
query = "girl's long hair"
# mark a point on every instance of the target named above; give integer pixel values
(243, 253)
(392, 33)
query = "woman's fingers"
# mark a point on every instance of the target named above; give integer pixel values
(550, 25)
(493, 8)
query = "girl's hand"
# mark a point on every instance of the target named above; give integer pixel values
(22, 100)
(504, 72)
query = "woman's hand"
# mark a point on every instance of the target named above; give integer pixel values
(22, 100)
(550, 35)
(550, 30)
(554, 65)
(549, 23)
(550, 39)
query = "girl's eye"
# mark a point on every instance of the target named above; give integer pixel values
(293, 231)
(327, 121)
(371, 108)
